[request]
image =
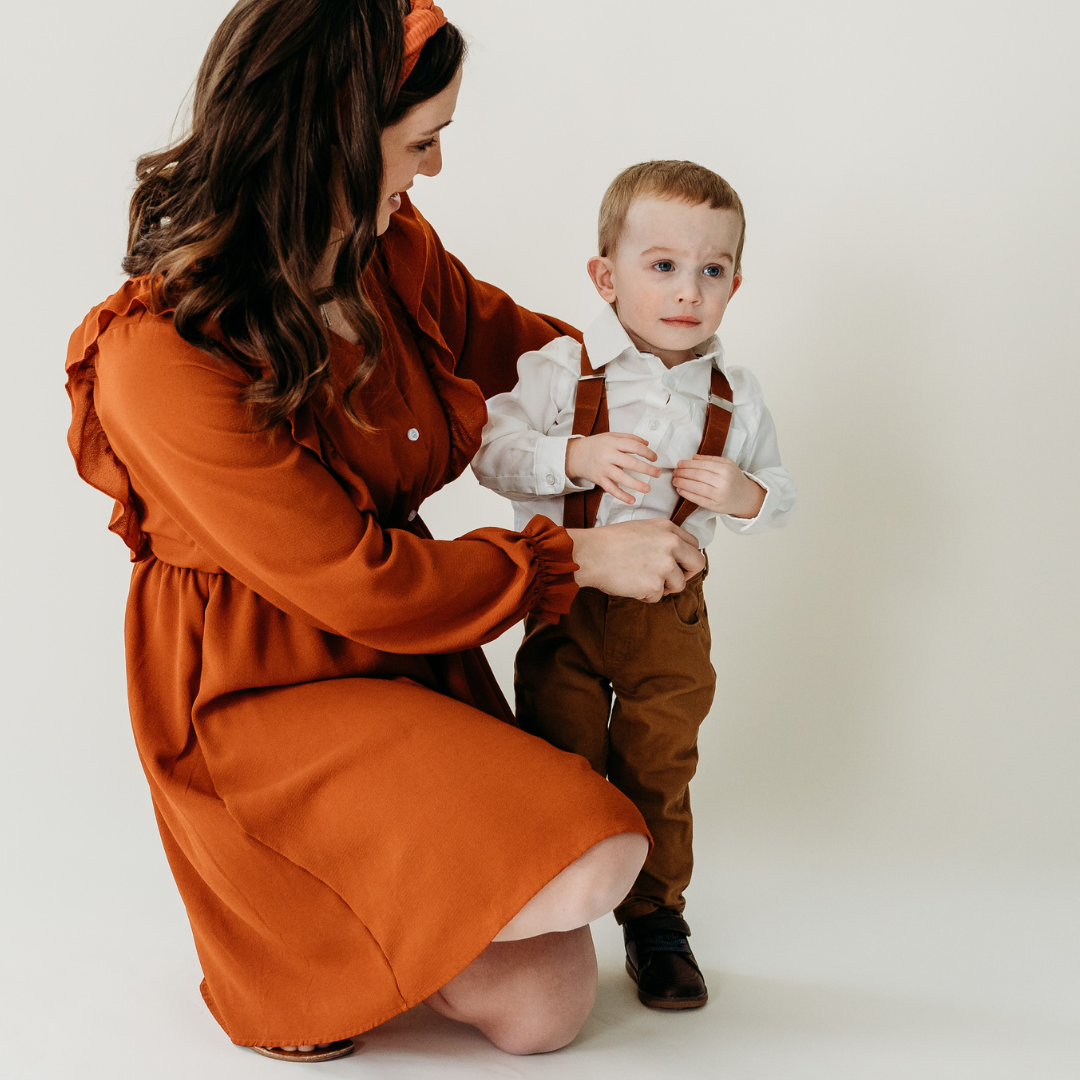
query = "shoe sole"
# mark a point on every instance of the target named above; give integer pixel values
(666, 1003)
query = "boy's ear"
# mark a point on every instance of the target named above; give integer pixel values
(736, 282)
(600, 269)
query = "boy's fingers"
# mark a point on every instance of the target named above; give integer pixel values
(697, 474)
(626, 481)
(635, 464)
(693, 490)
(702, 461)
(629, 435)
(639, 446)
(616, 492)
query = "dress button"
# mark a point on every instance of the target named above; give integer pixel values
(550, 478)
(413, 434)
(654, 424)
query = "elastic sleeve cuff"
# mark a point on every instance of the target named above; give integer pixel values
(554, 588)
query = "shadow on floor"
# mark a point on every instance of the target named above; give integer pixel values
(753, 1027)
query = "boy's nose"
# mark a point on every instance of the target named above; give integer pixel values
(690, 290)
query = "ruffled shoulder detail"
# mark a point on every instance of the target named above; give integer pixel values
(95, 460)
(413, 265)
(416, 267)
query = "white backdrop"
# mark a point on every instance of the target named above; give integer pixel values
(887, 808)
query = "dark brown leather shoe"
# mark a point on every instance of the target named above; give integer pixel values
(659, 960)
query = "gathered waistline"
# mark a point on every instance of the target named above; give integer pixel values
(153, 556)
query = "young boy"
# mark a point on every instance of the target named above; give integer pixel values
(645, 421)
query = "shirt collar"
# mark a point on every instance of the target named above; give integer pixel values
(607, 340)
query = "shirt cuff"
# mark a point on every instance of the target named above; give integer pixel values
(549, 464)
(745, 525)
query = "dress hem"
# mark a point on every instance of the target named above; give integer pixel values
(418, 999)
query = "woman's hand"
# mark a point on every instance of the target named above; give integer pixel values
(642, 559)
(604, 459)
(719, 485)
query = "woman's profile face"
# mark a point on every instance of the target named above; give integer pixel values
(412, 146)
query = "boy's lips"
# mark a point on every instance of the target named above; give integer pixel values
(682, 320)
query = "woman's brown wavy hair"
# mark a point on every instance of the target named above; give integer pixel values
(234, 219)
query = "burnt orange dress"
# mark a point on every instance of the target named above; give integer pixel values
(347, 812)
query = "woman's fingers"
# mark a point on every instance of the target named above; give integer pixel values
(688, 555)
(642, 559)
(674, 582)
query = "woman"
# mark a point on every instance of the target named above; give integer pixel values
(294, 365)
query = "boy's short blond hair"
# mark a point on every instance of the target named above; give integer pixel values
(666, 180)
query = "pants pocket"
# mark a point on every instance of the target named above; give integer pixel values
(688, 605)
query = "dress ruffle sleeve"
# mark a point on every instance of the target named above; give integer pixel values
(95, 460)
(554, 585)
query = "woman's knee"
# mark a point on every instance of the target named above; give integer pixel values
(529, 996)
(550, 1002)
(542, 1030)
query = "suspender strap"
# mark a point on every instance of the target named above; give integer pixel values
(714, 435)
(590, 418)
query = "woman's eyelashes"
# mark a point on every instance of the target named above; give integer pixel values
(421, 147)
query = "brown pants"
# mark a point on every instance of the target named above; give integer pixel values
(654, 660)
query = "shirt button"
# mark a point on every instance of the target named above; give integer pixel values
(413, 434)
(654, 424)
(550, 478)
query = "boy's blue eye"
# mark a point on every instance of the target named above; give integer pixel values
(714, 271)
(664, 266)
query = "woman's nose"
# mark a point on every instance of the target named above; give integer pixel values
(432, 163)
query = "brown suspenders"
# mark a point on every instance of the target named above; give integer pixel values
(591, 418)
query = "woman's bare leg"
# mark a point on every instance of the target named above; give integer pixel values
(588, 888)
(534, 986)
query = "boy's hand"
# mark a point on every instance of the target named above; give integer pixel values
(604, 459)
(719, 485)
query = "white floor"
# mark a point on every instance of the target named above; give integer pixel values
(835, 970)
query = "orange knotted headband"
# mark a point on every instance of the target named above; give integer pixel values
(424, 19)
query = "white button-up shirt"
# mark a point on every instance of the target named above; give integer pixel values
(523, 455)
